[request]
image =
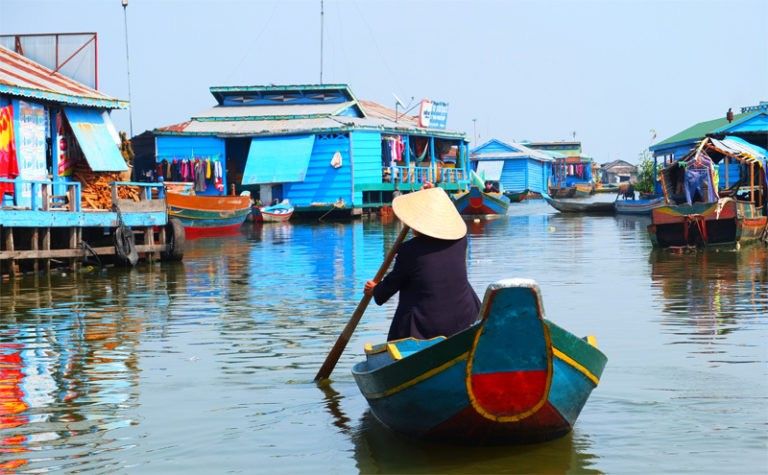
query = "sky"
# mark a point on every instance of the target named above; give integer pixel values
(609, 73)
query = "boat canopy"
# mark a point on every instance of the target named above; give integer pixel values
(97, 138)
(278, 159)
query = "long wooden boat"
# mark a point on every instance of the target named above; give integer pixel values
(276, 213)
(704, 215)
(476, 202)
(726, 221)
(569, 206)
(205, 216)
(512, 377)
(638, 207)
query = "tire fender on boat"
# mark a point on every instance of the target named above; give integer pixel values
(125, 246)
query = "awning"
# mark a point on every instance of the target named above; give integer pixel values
(278, 159)
(97, 139)
(490, 169)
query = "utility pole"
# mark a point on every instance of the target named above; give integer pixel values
(322, 14)
(474, 131)
(128, 67)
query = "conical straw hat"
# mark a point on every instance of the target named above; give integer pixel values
(430, 212)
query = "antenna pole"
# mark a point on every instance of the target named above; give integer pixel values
(321, 41)
(128, 67)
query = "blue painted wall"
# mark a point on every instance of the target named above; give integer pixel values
(366, 152)
(169, 147)
(537, 176)
(323, 183)
(514, 175)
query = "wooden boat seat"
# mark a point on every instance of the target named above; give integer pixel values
(399, 349)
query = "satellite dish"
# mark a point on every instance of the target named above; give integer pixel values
(397, 99)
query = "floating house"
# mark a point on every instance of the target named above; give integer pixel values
(61, 194)
(317, 146)
(515, 166)
(750, 125)
(570, 167)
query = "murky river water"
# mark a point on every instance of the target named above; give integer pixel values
(206, 366)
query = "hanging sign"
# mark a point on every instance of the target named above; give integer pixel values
(433, 114)
(31, 144)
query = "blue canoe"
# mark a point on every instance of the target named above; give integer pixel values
(512, 377)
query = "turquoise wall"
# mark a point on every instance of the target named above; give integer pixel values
(366, 152)
(324, 183)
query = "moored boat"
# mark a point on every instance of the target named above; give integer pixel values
(512, 377)
(696, 213)
(571, 206)
(476, 202)
(276, 213)
(639, 206)
(204, 216)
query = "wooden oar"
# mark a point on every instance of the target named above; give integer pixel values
(341, 342)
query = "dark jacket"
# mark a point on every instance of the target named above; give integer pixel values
(435, 295)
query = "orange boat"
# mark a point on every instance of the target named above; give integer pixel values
(204, 216)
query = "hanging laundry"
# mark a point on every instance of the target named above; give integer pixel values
(336, 160)
(200, 184)
(218, 178)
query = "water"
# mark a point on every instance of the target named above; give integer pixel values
(206, 366)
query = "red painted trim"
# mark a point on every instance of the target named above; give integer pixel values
(194, 232)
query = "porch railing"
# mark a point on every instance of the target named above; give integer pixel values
(420, 175)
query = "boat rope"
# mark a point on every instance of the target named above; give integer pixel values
(87, 248)
(700, 222)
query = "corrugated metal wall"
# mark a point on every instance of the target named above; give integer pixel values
(324, 183)
(514, 175)
(366, 151)
(537, 176)
(170, 147)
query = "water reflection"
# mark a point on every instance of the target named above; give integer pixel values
(713, 292)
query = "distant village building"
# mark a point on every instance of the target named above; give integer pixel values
(517, 167)
(618, 171)
(317, 146)
(571, 167)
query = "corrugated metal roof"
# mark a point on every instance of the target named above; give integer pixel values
(699, 131)
(20, 76)
(378, 118)
(219, 112)
(523, 152)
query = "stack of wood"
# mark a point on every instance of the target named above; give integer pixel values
(97, 188)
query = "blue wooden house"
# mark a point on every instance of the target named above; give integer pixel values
(55, 131)
(317, 146)
(751, 125)
(516, 167)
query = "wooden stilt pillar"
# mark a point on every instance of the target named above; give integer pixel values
(149, 240)
(34, 245)
(13, 268)
(46, 248)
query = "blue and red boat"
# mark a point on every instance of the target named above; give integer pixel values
(479, 201)
(512, 377)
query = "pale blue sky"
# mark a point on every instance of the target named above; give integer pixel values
(609, 70)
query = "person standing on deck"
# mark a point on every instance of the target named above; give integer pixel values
(430, 270)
